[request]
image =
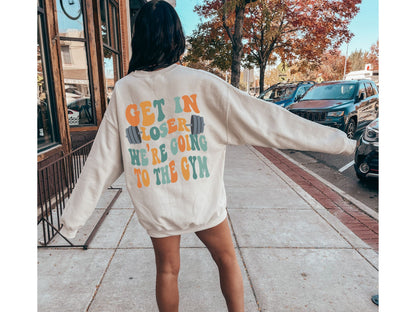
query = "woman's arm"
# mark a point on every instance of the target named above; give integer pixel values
(255, 122)
(103, 166)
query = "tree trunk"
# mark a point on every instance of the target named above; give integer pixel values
(262, 71)
(237, 46)
(235, 66)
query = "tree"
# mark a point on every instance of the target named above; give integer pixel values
(332, 67)
(356, 60)
(208, 48)
(292, 30)
(297, 31)
(228, 14)
(275, 75)
(372, 56)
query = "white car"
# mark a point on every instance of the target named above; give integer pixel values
(73, 117)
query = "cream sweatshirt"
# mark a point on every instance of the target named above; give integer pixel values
(167, 130)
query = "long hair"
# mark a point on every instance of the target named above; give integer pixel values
(158, 40)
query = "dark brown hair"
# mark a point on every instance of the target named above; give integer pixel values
(158, 40)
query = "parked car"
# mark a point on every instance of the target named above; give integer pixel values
(83, 107)
(73, 117)
(366, 154)
(284, 94)
(348, 105)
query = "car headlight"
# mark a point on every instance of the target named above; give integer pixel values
(336, 114)
(370, 134)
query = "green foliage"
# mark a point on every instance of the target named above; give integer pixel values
(208, 45)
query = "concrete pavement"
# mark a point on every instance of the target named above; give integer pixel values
(295, 253)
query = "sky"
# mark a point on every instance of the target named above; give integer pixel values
(364, 26)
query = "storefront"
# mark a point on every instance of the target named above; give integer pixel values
(83, 49)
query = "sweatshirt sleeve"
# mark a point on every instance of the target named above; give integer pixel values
(255, 122)
(103, 166)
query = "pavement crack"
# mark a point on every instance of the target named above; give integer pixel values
(109, 263)
(244, 263)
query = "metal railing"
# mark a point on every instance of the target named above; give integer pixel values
(56, 181)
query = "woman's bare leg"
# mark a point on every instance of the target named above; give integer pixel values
(167, 257)
(219, 243)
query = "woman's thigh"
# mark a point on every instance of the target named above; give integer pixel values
(167, 253)
(218, 240)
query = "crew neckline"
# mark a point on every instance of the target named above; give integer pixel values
(144, 73)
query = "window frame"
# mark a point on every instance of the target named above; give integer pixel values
(110, 46)
(86, 41)
(42, 29)
(369, 89)
(362, 89)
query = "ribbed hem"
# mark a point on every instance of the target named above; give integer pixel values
(352, 144)
(212, 224)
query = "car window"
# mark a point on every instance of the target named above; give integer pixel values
(374, 88)
(362, 89)
(268, 95)
(338, 91)
(284, 92)
(301, 91)
(369, 89)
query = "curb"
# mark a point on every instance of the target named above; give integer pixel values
(361, 223)
(363, 207)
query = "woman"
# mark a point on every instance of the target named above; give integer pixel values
(167, 128)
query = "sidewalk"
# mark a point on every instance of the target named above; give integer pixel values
(296, 254)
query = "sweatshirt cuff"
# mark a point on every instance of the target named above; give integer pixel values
(68, 233)
(351, 146)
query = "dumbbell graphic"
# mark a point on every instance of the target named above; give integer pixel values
(197, 125)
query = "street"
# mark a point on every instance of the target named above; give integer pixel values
(339, 171)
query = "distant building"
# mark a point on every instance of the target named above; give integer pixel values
(363, 74)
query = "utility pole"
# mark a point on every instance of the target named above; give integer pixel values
(345, 63)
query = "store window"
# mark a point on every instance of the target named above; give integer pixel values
(110, 34)
(76, 63)
(46, 124)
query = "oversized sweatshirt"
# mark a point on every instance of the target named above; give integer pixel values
(167, 130)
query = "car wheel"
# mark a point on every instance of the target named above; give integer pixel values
(359, 174)
(350, 128)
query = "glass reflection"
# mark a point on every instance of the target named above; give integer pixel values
(76, 80)
(104, 27)
(111, 70)
(45, 133)
(114, 18)
(70, 19)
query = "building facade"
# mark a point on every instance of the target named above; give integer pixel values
(83, 48)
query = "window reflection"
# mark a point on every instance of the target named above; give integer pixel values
(70, 17)
(109, 23)
(111, 69)
(45, 123)
(77, 91)
(75, 62)
(103, 15)
(114, 28)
